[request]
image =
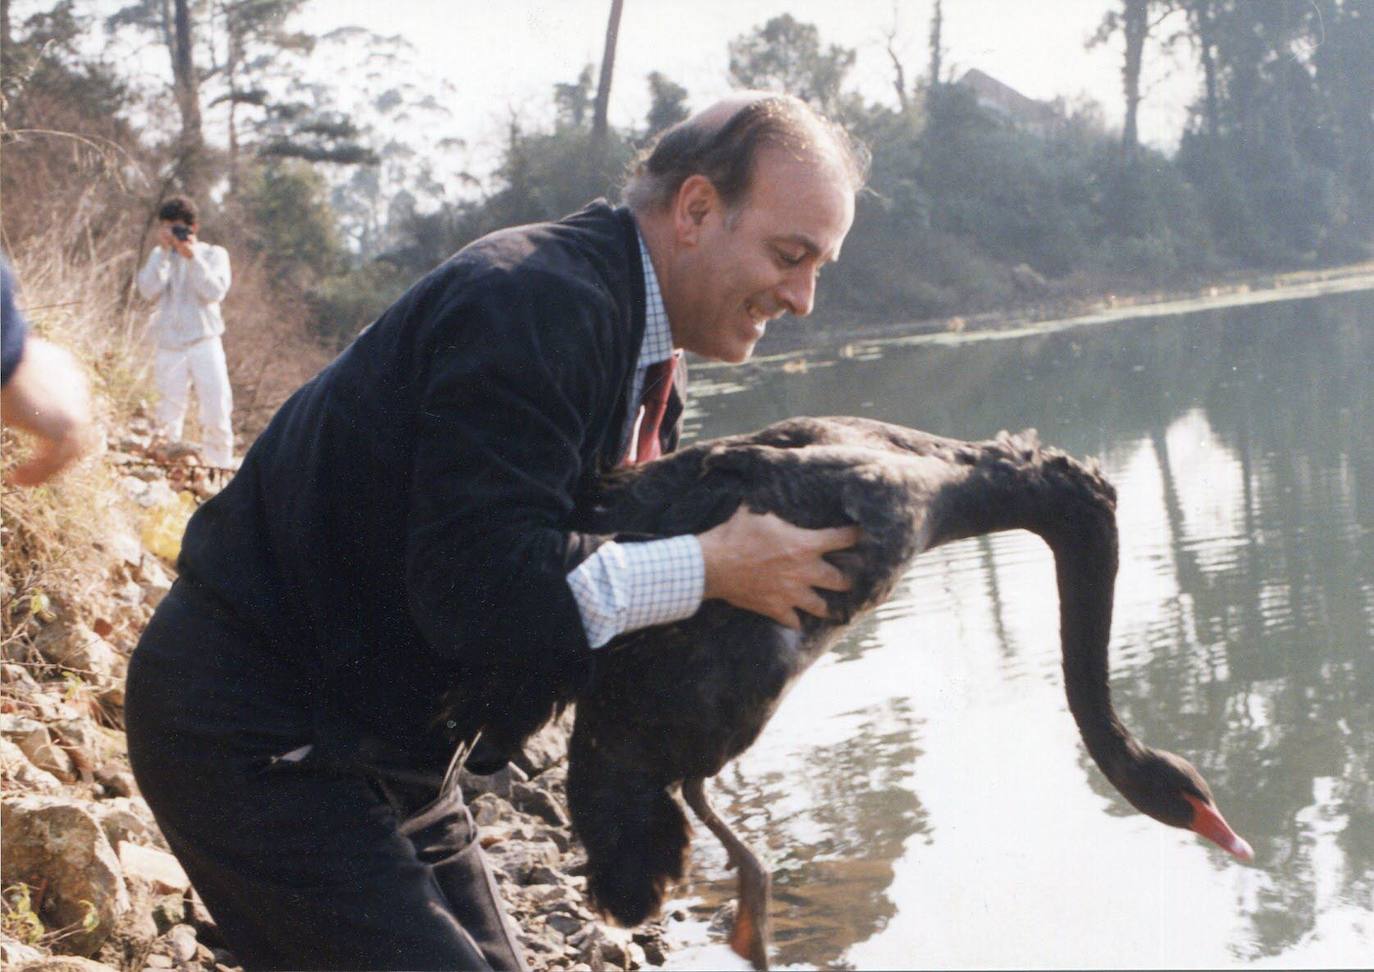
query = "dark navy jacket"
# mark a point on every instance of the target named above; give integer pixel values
(403, 523)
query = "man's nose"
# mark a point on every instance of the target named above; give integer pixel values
(798, 292)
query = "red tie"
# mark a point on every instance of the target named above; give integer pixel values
(658, 384)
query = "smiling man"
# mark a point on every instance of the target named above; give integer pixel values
(404, 534)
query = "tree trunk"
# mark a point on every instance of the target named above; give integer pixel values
(233, 57)
(1205, 28)
(937, 20)
(899, 77)
(5, 37)
(191, 149)
(600, 127)
(1135, 27)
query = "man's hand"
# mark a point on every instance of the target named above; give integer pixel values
(762, 563)
(47, 395)
(185, 247)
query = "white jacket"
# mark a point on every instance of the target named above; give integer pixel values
(187, 292)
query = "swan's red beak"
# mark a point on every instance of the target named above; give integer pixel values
(1210, 824)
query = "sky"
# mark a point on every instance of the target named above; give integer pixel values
(506, 55)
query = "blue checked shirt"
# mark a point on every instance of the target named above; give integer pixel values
(626, 586)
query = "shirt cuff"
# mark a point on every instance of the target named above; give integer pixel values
(623, 587)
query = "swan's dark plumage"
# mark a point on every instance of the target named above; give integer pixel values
(677, 702)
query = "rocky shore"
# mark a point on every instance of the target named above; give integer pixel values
(88, 882)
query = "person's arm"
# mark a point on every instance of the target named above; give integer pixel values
(501, 426)
(152, 278)
(503, 407)
(47, 396)
(209, 273)
(623, 587)
(758, 562)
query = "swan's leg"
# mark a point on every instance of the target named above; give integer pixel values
(749, 938)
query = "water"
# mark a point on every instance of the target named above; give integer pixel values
(922, 795)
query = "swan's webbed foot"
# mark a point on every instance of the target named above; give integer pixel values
(749, 938)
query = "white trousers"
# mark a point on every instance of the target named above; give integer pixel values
(201, 365)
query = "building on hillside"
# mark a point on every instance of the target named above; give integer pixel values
(1005, 102)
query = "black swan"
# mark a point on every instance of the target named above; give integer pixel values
(670, 706)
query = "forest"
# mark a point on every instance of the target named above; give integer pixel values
(339, 196)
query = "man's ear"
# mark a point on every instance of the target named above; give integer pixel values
(696, 198)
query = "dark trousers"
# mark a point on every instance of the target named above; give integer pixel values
(303, 865)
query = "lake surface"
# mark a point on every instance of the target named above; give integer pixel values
(922, 795)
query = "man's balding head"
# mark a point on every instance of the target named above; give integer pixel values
(723, 142)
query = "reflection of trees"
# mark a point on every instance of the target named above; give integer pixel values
(835, 839)
(1262, 670)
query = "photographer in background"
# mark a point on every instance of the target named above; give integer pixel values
(188, 279)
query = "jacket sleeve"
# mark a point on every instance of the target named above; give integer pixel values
(209, 273)
(502, 426)
(152, 279)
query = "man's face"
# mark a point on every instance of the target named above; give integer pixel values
(748, 267)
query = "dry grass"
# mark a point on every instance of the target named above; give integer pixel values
(49, 535)
(75, 226)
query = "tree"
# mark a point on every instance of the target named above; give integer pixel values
(786, 55)
(1134, 23)
(937, 51)
(1202, 16)
(292, 224)
(667, 103)
(603, 88)
(254, 38)
(571, 100)
(191, 162)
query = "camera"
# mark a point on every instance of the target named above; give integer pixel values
(181, 232)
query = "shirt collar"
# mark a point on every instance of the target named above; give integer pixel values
(658, 336)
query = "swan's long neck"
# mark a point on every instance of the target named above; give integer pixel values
(1015, 485)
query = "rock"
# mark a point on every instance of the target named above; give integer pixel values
(74, 646)
(518, 859)
(122, 544)
(14, 953)
(132, 487)
(17, 676)
(724, 919)
(184, 944)
(543, 874)
(117, 782)
(600, 946)
(498, 783)
(65, 963)
(170, 910)
(655, 949)
(160, 961)
(17, 769)
(535, 800)
(78, 734)
(560, 837)
(112, 699)
(198, 916)
(488, 810)
(154, 581)
(546, 748)
(123, 819)
(134, 443)
(565, 923)
(154, 867)
(55, 844)
(33, 739)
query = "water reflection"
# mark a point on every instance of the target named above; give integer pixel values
(923, 793)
